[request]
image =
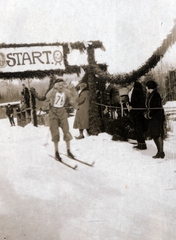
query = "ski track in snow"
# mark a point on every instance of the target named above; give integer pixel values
(125, 189)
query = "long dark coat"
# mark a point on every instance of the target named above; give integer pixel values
(138, 102)
(156, 115)
(26, 95)
(82, 113)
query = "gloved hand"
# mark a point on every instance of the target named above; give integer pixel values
(128, 107)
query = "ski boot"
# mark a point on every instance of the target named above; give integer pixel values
(70, 154)
(57, 156)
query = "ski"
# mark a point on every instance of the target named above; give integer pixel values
(66, 164)
(80, 161)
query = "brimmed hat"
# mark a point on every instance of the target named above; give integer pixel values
(151, 84)
(84, 85)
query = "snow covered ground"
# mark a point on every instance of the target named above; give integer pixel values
(127, 195)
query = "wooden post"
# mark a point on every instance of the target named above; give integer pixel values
(19, 121)
(28, 116)
(30, 101)
(94, 115)
(32, 107)
(23, 118)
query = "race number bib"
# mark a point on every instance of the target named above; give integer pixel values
(59, 100)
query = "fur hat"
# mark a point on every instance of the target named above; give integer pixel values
(151, 84)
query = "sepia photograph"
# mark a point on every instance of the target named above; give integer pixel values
(88, 120)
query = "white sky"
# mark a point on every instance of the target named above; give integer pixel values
(129, 29)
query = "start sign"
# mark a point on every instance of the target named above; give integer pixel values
(31, 58)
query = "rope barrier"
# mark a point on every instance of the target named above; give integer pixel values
(110, 106)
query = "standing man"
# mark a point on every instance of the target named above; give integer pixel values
(57, 98)
(137, 106)
(25, 93)
(9, 113)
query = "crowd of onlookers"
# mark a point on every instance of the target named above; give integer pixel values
(150, 109)
(145, 110)
(24, 104)
(144, 105)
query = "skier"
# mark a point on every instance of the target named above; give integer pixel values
(9, 113)
(57, 98)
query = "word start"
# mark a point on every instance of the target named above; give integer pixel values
(25, 58)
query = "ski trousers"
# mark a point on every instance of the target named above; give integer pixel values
(58, 117)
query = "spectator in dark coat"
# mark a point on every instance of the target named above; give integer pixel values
(9, 113)
(25, 93)
(155, 116)
(137, 105)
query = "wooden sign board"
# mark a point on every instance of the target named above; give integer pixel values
(20, 59)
